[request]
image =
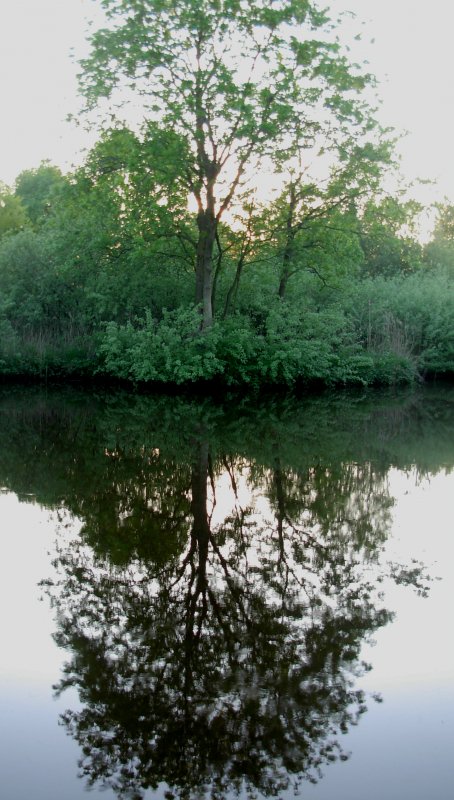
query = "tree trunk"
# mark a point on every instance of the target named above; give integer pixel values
(283, 284)
(233, 291)
(207, 225)
(287, 256)
(201, 527)
(196, 598)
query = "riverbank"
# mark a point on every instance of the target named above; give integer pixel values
(374, 332)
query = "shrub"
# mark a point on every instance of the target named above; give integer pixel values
(169, 350)
(410, 321)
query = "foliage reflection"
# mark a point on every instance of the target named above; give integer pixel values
(232, 659)
(214, 605)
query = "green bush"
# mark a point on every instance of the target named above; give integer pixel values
(307, 345)
(8, 346)
(407, 320)
(239, 349)
(296, 346)
(378, 330)
(170, 350)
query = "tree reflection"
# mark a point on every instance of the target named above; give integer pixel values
(227, 658)
(214, 604)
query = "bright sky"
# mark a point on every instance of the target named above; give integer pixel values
(412, 55)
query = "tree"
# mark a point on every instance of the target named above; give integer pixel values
(36, 189)
(236, 83)
(387, 236)
(13, 216)
(440, 250)
(444, 226)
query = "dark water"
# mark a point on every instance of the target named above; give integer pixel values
(206, 600)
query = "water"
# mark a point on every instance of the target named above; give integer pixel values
(208, 600)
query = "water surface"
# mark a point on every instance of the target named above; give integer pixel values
(217, 599)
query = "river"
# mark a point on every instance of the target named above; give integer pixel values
(246, 598)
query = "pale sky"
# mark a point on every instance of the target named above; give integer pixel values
(412, 55)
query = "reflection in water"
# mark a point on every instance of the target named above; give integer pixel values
(214, 606)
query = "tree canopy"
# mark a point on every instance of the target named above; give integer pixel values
(13, 216)
(37, 189)
(240, 86)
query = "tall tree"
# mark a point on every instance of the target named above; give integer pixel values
(37, 189)
(237, 82)
(388, 236)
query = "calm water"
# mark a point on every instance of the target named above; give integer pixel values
(200, 600)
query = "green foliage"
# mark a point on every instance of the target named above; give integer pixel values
(24, 283)
(216, 113)
(13, 216)
(170, 350)
(444, 225)
(296, 346)
(38, 189)
(73, 301)
(239, 350)
(8, 345)
(409, 319)
(386, 232)
(323, 284)
(439, 252)
(304, 345)
(43, 327)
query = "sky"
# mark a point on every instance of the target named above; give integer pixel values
(412, 55)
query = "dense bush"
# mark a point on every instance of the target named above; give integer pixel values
(168, 350)
(411, 319)
(295, 346)
(97, 287)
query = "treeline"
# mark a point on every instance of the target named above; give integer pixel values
(96, 278)
(163, 259)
